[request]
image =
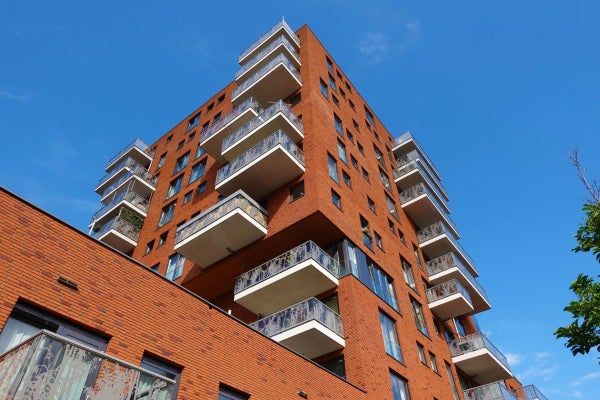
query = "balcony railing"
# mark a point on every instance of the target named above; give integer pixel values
(408, 136)
(136, 170)
(281, 58)
(298, 314)
(259, 56)
(447, 289)
(448, 261)
(531, 392)
(407, 163)
(135, 143)
(420, 189)
(437, 229)
(128, 162)
(237, 111)
(120, 225)
(491, 391)
(127, 195)
(475, 342)
(306, 251)
(267, 113)
(254, 45)
(273, 140)
(237, 200)
(52, 367)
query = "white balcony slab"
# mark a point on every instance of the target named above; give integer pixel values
(311, 339)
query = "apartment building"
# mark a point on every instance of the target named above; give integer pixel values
(277, 243)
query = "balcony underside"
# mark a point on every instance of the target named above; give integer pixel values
(424, 212)
(113, 211)
(268, 40)
(482, 366)
(419, 175)
(451, 306)
(268, 57)
(478, 299)
(263, 175)
(136, 184)
(442, 244)
(213, 144)
(278, 83)
(276, 122)
(140, 156)
(118, 241)
(311, 339)
(288, 287)
(221, 238)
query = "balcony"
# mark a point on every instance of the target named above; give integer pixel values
(479, 358)
(424, 207)
(132, 175)
(437, 239)
(491, 391)
(264, 41)
(412, 169)
(221, 230)
(309, 328)
(119, 233)
(449, 299)
(447, 267)
(275, 80)
(529, 392)
(407, 143)
(300, 273)
(49, 366)
(212, 137)
(276, 117)
(137, 150)
(125, 198)
(265, 167)
(280, 44)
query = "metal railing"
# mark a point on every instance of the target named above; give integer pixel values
(282, 39)
(266, 114)
(412, 161)
(530, 392)
(281, 58)
(420, 189)
(298, 314)
(264, 37)
(491, 391)
(135, 143)
(437, 229)
(447, 289)
(120, 225)
(285, 261)
(449, 260)
(137, 170)
(238, 200)
(217, 125)
(51, 367)
(475, 342)
(406, 136)
(127, 195)
(270, 142)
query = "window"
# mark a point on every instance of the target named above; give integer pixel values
(378, 154)
(221, 98)
(346, 179)
(155, 267)
(297, 191)
(342, 152)
(378, 240)
(419, 318)
(371, 204)
(192, 122)
(295, 99)
(180, 144)
(351, 104)
(200, 152)
(433, 361)
(402, 237)
(217, 117)
(449, 335)
(201, 188)
(384, 179)
(181, 162)
(335, 100)
(361, 149)
(324, 89)
(161, 160)
(336, 199)
(332, 82)
(163, 238)
(175, 266)
(391, 205)
(365, 174)
(354, 161)
(174, 186)
(452, 382)
(161, 368)
(350, 136)
(205, 125)
(342, 93)
(198, 171)
(210, 106)
(169, 138)
(167, 214)
(338, 124)
(418, 257)
(226, 393)
(348, 87)
(399, 387)
(421, 353)
(336, 365)
(390, 336)
(187, 197)
(369, 116)
(366, 234)
(149, 247)
(333, 173)
(338, 73)
(408, 274)
(392, 227)
(191, 136)
(460, 328)
(329, 63)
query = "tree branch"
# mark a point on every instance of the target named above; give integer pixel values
(592, 187)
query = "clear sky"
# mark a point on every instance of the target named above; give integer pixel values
(496, 92)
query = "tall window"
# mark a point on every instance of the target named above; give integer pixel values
(332, 82)
(174, 187)
(338, 124)
(419, 317)
(192, 122)
(167, 214)
(175, 266)
(399, 387)
(390, 336)
(329, 63)
(161, 368)
(434, 364)
(161, 160)
(421, 353)
(460, 327)
(342, 152)
(369, 116)
(391, 205)
(378, 154)
(200, 152)
(324, 89)
(452, 382)
(181, 162)
(333, 173)
(418, 257)
(336, 199)
(384, 178)
(198, 171)
(408, 274)
(366, 232)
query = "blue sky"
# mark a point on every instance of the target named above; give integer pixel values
(496, 92)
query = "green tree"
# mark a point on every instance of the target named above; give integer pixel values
(583, 333)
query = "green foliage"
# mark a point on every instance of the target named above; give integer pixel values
(588, 234)
(132, 217)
